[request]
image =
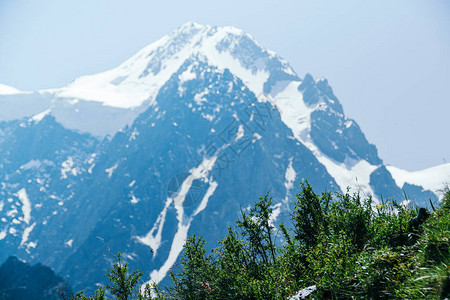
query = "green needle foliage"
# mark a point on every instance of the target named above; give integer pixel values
(348, 247)
(122, 284)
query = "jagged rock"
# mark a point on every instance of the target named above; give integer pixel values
(305, 293)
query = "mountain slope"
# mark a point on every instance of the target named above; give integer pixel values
(177, 140)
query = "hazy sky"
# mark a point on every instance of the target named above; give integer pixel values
(387, 61)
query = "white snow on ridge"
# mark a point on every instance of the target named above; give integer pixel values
(8, 90)
(131, 83)
(133, 88)
(296, 115)
(104, 103)
(434, 179)
(223, 60)
(357, 177)
(40, 116)
(294, 112)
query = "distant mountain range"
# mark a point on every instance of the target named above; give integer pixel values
(175, 141)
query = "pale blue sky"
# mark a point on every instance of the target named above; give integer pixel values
(387, 61)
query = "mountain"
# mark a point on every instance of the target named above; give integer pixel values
(20, 281)
(177, 140)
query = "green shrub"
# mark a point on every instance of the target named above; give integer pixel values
(347, 247)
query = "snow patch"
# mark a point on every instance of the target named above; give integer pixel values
(208, 117)
(254, 80)
(40, 116)
(67, 167)
(240, 133)
(184, 221)
(69, 243)
(199, 98)
(289, 176)
(111, 170)
(357, 177)
(12, 213)
(32, 164)
(133, 135)
(134, 200)
(8, 90)
(187, 75)
(26, 205)
(26, 234)
(153, 239)
(434, 179)
(293, 111)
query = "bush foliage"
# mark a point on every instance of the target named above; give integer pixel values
(348, 247)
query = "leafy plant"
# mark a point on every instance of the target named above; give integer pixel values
(344, 246)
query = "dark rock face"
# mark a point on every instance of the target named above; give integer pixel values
(21, 281)
(418, 194)
(385, 189)
(310, 92)
(337, 136)
(246, 169)
(384, 185)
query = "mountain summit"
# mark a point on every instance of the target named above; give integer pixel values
(140, 78)
(177, 140)
(125, 91)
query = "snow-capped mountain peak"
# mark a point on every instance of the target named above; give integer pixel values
(106, 102)
(139, 78)
(202, 121)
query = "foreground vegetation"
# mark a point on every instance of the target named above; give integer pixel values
(343, 245)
